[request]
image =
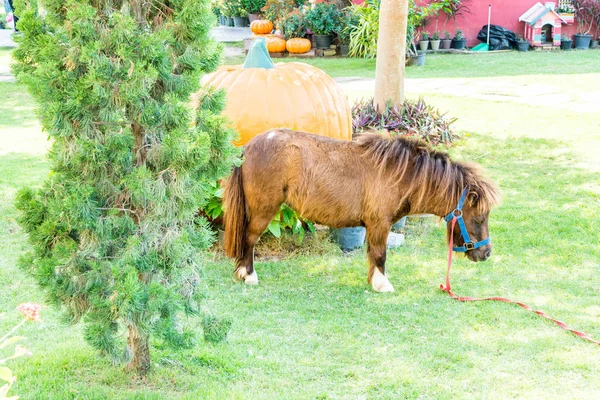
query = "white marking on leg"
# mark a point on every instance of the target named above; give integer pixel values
(380, 282)
(252, 279)
(241, 273)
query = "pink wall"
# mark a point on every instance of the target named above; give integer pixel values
(505, 13)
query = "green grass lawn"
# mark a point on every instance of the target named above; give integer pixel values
(465, 65)
(313, 328)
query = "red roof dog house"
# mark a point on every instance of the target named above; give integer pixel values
(543, 25)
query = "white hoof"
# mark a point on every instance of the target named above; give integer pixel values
(380, 283)
(251, 279)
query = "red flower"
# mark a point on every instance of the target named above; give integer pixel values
(30, 311)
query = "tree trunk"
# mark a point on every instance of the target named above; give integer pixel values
(140, 347)
(391, 53)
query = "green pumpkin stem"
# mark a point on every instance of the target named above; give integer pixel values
(258, 55)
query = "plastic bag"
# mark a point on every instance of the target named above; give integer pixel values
(500, 38)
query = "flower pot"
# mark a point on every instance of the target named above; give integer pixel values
(239, 22)
(459, 44)
(446, 44)
(424, 45)
(222, 20)
(594, 44)
(253, 17)
(246, 21)
(344, 50)
(323, 41)
(565, 44)
(523, 46)
(350, 238)
(435, 45)
(229, 21)
(421, 59)
(399, 225)
(582, 42)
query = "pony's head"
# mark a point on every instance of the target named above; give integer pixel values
(471, 233)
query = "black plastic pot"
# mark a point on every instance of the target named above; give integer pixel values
(459, 44)
(323, 41)
(344, 50)
(594, 44)
(228, 21)
(523, 46)
(566, 44)
(582, 42)
(239, 22)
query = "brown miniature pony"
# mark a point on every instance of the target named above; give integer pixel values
(371, 182)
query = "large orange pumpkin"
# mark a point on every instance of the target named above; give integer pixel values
(298, 45)
(261, 26)
(284, 95)
(275, 44)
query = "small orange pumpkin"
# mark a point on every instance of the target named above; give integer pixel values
(261, 26)
(275, 44)
(298, 45)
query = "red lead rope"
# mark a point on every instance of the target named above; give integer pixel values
(447, 288)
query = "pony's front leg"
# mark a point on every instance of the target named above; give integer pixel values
(376, 253)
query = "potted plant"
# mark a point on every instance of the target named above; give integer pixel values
(349, 22)
(566, 13)
(585, 20)
(253, 7)
(322, 19)
(522, 43)
(424, 42)
(565, 42)
(435, 41)
(228, 9)
(446, 41)
(459, 42)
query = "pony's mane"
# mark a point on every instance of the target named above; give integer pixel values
(430, 178)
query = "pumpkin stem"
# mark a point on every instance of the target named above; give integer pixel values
(258, 55)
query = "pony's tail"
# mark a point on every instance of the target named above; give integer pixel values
(234, 205)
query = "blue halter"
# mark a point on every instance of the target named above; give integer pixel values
(457, 213)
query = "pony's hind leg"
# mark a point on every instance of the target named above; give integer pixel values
(256, 226)
(376, 254)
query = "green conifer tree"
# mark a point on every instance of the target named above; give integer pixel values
(115, 230)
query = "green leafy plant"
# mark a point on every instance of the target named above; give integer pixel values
(292, 25)
(458, 35)
(348, 24)
(114, 232)
(323, 18)
(363, 36)
(454, 9)
(436, 36)
(425, 36)
(287, 218)
(274, 10)
(413, 119)
(238, 8)
(215, 329)
(253, 6)
(446, 35)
